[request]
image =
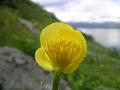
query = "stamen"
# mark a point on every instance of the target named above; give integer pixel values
(61, 52)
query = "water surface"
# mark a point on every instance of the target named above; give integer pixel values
(106, 37)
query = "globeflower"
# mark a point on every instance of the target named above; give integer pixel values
(62, 48)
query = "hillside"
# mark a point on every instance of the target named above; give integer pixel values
(21, 21)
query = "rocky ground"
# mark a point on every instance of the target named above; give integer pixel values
(19, 71)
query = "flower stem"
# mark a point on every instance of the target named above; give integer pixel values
(56, 79)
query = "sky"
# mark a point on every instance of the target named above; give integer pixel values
(83, 10)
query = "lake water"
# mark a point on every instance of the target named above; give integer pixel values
(106, 37)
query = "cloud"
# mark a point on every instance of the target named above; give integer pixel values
(49, 3)
(83, 10)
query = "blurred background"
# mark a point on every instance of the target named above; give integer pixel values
(93, 17)
(21, 22)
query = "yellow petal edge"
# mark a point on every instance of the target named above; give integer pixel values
(43, 60)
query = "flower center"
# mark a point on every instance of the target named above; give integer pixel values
(61, 52)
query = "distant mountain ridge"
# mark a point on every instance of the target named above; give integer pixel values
(95, 24)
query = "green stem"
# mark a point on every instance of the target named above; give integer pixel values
(56, 79)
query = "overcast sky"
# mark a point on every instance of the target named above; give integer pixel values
(83, 10)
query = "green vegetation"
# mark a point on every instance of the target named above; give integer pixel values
(15, 34)
(101, 69)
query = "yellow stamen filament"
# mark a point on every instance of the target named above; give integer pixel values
(62, 52)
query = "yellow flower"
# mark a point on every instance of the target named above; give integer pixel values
(62, 48)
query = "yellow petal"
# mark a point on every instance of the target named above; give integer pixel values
(56, 32)
(82, 42)
(42, 59)
(53, 31)
(73, 66)
(60, 30)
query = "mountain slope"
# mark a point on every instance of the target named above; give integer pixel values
(100, 70)
(18, 18)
